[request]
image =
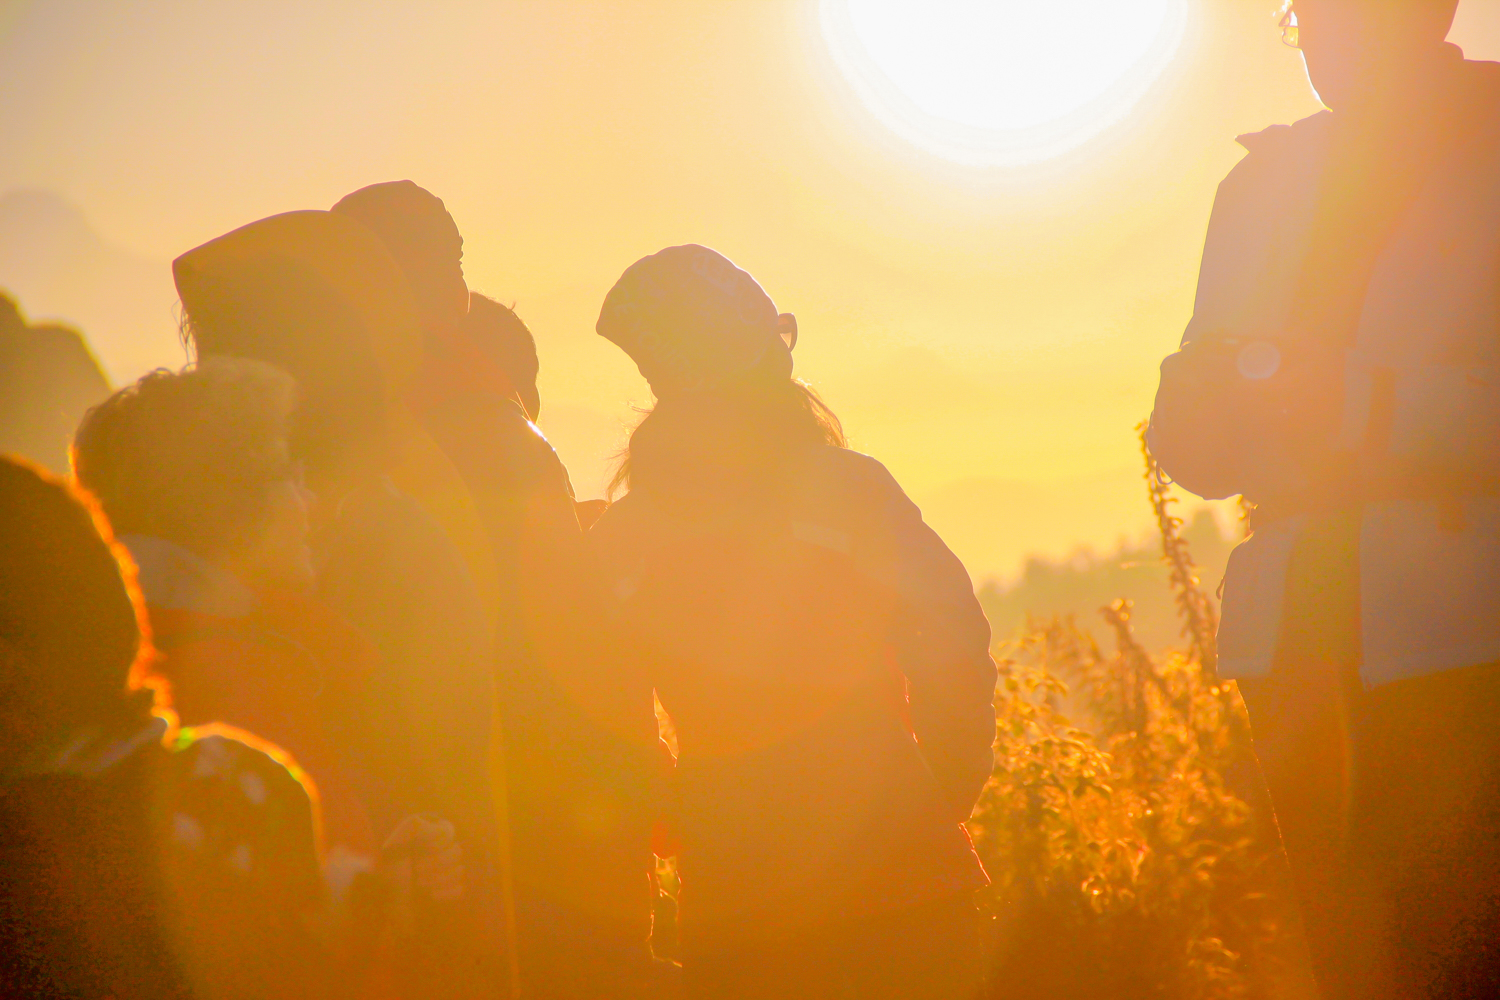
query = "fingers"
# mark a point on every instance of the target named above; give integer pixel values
(440, 874)
(423, 855)
(420, 833)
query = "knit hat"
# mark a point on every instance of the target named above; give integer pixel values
(690, 319)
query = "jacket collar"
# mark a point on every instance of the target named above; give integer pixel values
(173, 577)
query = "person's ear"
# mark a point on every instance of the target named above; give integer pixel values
(786, 326)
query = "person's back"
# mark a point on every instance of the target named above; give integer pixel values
(81, 893)
(820, 652)
(775, 628)
(130, 867)
(48, 379)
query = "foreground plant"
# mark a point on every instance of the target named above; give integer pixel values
(1118, 827)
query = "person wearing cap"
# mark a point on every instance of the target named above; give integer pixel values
(573, 768)
(1340, 371)
(818, 649)
(400, 548)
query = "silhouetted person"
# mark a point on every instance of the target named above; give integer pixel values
(1340, 371)
(576, 785)
(505, 338)
(400, 546)
(194, 471)
(47, 379)
(136, 862)
(820, 652)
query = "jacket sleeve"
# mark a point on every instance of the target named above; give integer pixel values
(1206, 432)
(1195, 426)
(942, 643)
(1192, 430)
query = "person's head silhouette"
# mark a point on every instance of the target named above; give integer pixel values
(718, 356)
(72, 643)
(319, 296)
(505, 339)
(200, 458)
(424, 240)
(1358, 49)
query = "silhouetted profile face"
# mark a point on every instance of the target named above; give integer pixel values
(200, 457)
(501, 334)
(1353, 47)
(423, 238)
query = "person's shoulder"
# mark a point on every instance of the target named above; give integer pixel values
(1483, 73)
(1481, 87)
(621, 519)
(240, 817)
(175, 629)
(249, 767)
(1271, 155)
(381, 528)
(855, 483)
(853, 467)
(1286, 138)
(59, 350)
(219, 654)
(1275, 150)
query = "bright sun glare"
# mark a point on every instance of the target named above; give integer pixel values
(1002, 82)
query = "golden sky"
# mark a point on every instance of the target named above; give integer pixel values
(991, 334)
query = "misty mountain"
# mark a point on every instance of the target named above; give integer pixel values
(995, 524)
(1081, 584)
(58, 268)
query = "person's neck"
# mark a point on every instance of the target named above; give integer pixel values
(1404, 90)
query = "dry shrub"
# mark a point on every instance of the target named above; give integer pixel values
(1118, 826)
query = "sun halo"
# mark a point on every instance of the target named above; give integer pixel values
(1001, 82)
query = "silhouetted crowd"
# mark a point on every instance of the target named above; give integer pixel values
(319, 682)
(316, 681)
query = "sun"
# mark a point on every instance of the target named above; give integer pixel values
(1002, 82)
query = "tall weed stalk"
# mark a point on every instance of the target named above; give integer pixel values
(1125, 859)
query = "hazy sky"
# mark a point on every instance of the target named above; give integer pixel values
(990, 333)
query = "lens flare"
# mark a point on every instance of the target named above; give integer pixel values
(1002, 82)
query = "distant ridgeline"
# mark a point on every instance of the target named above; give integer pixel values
(48, 378)
(1087, 581)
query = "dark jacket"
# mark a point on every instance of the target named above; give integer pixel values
(133, 871)
(826, 666)
(577, 751)
(1343, 356)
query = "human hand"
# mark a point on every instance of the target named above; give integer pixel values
(422, 857)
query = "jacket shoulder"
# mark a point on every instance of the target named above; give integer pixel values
(1275, 155)
(1284, 138)
(854, 469)
(848, 487)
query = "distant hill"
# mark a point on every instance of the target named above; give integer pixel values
(1086, 581)
(59, 268)
(995, 525)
